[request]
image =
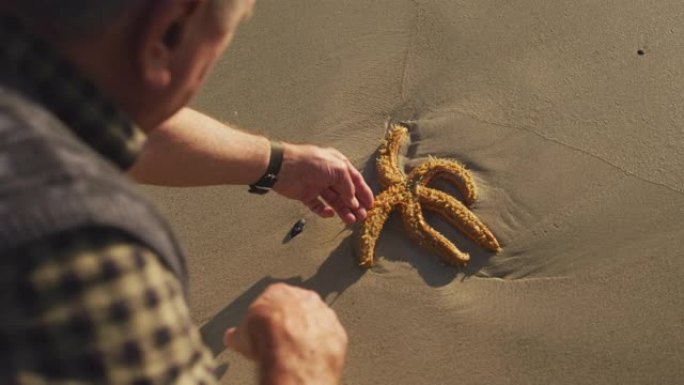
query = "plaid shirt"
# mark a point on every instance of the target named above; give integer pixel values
(92, 305)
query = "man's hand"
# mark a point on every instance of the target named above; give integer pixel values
(294, 336)
(325, 181)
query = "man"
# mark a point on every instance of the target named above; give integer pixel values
(91, 279)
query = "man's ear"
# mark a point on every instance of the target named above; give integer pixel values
(166, 28)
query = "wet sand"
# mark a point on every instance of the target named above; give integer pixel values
(576, 142)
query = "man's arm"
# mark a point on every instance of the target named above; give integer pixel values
(192, 149)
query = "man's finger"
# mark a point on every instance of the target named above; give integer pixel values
(320, 208)
(363, 191)
(361, 214)
(342, 210)
(237, 340)
(229, 337)
(346, 190)
(351, 193)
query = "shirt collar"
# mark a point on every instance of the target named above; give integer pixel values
(36, 70)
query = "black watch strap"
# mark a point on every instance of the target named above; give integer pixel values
(266, 183)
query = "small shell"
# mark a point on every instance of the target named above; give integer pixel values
(297, 228)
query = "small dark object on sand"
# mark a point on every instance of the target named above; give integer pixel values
(297, 228)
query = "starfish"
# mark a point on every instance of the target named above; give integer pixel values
(411, 194)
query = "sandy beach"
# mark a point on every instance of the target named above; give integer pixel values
(570, 116)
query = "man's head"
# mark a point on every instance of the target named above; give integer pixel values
(149, 56)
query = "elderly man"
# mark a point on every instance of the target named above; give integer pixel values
(91, 279)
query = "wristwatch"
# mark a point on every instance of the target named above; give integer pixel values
(269, 179)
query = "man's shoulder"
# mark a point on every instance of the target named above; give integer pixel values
(22, 115)
(51, 181)
(28, 126)
(41, 162)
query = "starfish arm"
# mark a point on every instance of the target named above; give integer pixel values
(387, 166)
(421, 232)
(458, 216)
(374, 222)
(448, 170)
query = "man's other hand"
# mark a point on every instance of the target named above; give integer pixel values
(293, 335)
(325, 181)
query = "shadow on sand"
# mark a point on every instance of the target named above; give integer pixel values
(337, 273)
(340, 270)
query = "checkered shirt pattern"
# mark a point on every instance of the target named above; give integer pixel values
(89, 306)
(92, 307)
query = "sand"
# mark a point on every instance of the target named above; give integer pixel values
(576, 143)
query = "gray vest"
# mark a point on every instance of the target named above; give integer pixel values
(52, 182)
